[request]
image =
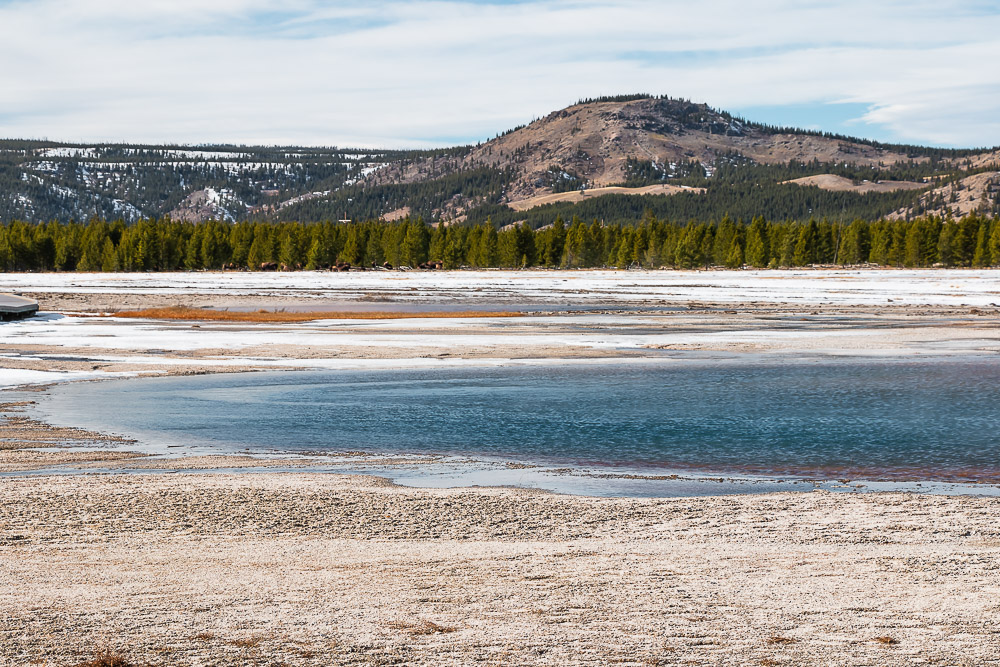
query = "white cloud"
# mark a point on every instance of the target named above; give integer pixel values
(423, 73)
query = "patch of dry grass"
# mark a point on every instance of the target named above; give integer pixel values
(187, 314)
(778, 640)
(106, 659)
(247, 642)
(423, 627)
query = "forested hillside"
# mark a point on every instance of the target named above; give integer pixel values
(165, 245)
(41, 181)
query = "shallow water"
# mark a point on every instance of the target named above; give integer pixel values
(889, 420)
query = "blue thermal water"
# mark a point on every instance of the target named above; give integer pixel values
(926, 419)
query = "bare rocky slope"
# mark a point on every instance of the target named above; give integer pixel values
(593, 142)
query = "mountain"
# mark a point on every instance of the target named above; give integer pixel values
(595, 141)
(607, 158)
(44, 180)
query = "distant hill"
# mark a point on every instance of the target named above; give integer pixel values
(608, 158)
(44, 180)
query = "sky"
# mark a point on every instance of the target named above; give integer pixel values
(428, 73)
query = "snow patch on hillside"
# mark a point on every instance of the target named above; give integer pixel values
(67, 151)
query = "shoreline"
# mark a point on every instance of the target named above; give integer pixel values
(466, 469)
(613, 326)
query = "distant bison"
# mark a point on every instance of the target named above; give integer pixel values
(430, 265)
(341, 266)
(268, 266)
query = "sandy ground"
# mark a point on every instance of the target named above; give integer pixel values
(306, 568)
(320, 569)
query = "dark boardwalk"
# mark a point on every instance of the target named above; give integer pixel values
(16, 307)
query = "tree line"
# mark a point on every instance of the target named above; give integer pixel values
(167, 245)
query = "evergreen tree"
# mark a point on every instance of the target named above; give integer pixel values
(415, 244)
(757, 252)
(688, 252)
(734, 259)
(6, 252)
(240, 239)
(723, 242)
(353, 252)
(994, 244)
(948, 250)
(805, 252)
(192, 257)
(489, 247)
(260, 252)
(981, 255)
(109, 257)
(314, 258)
(92, 248)
(912, 254)
(855, 246)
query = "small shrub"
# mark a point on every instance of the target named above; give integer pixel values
(247, 642)
(780, 640)
(106, 659)
(424, 627)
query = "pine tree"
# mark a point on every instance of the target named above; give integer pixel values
(240, 239)
(373, 247)
(555, 243)
(734, 259)
(6, 252)
(259, 252)
(453, 255)
(507, 248)
(192, 257)
(723, 242)
(109, 257)
(806, 245)
(757, 253)
(415, 244)
(947, 246)
(92, 249)
(981, 256)
(353, 252)
(288, 254)
(994, 244)
(314, 259)
(488, 249)
(438, 242)
(855, 245)
(897, 250)
(687, 254)
(911, 253)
